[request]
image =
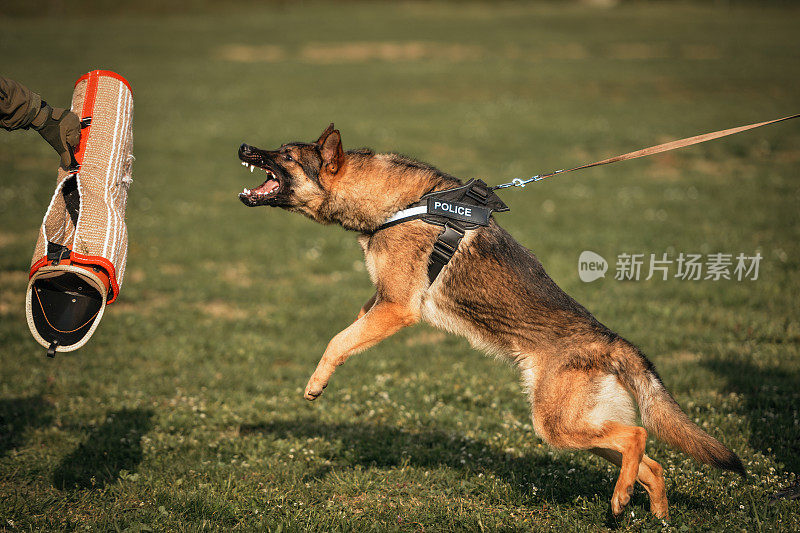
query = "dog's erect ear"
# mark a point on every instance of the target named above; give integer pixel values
(332, 153)
(325, 133)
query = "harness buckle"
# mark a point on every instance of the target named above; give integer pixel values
(439, 255)
(480, 195)
(444, 248)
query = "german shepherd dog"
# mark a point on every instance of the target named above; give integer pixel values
(578, 374)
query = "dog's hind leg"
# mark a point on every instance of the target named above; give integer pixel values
(656, 489)
(382, 320)
(629, 442)
(586, 409)
(650, 475)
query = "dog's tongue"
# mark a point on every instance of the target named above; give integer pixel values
(268, 187)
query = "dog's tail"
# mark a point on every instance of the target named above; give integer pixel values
(662, 415)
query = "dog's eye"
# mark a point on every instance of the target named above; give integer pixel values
(288, 156)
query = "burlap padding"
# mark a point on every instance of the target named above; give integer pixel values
(105, 158)
(95, 233)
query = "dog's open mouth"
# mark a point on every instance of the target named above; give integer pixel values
(264, 192)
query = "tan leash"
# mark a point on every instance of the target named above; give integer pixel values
(673, 145)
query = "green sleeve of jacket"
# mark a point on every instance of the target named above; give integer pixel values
(18, 105)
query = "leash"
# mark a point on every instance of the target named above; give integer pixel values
(470, 206)
(673, 145)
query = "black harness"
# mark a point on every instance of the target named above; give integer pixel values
(457, 210)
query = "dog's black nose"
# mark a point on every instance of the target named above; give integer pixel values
(245, 149)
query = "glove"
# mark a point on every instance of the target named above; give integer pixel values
(61, 129)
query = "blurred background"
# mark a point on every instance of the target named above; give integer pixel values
(185, 410)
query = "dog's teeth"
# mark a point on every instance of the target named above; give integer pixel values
(246, 191)
(244, 164)
(251, 169)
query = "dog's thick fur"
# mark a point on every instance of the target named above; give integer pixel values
(578, 374)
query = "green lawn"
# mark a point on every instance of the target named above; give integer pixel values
(185, 411)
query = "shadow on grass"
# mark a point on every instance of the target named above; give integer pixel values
(17, 415)
(373, 445)
(112, 447)
(770, 404)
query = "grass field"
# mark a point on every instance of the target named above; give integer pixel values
(185, 411)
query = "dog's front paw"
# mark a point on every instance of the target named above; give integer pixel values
(314, 389)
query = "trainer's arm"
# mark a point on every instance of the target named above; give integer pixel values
(18, 105)
(21, 108)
